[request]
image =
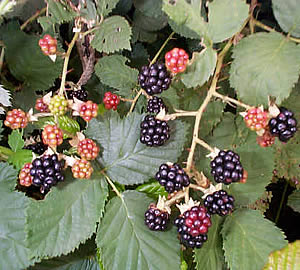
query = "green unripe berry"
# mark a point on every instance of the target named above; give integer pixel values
(58, 105)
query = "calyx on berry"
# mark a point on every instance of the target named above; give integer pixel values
(176, 60)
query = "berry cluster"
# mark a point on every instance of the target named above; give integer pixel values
(154, 132)
(38, 148)
(48, 45)
(46, 172)
(25, 178)
(82, 169)
(87, 149)
(16, 119)
(41, 106)
(58, 105)
(155, 104)
(226, 167)
(156, 219)
(52, 135)
(111, 101)
(256, 119)
(79, 94)
(176, 60)
(219, 203)
(284, 126)
(172, 177)
(88, 110)
(154, 79)
(192, 226)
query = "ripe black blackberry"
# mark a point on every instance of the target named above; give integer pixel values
(38, 148)
(79, 94)
(154, 132)
(156, 219)
(226, 167)
(172, 177)
(219, 203)
(192, 227)
(155, 104)
(46, 172)
(154, 79)
(284, 126)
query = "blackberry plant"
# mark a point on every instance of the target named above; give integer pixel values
(149, 190)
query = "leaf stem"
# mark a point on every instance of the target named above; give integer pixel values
(113, 186)
(161, 48)
(66, 62)
(33, 17)
(230, 100)
(281, 202)
(204, 144)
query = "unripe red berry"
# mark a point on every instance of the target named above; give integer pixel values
(256, 119)
(41, 106)
(111, 101)
(48, 45)
(16, 119)
(88, 110)
(267, 139)
(87, 149)
(25, 178)
(82, 169)
(52, 135)
(176, 60)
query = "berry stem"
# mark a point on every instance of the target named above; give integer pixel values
(135, 100)
(196, 187)
(230, 100)
(270, 29)
(66, 62)
(183, 113)
(113, 186)
(204, 144)
(161, 48)
(33, 17)
(178, 196)
(210, 94)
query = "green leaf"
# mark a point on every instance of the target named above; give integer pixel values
(200, 68)
(113, 71)
(245, 242)
(149, 23)
(104, 7)
(211, 256)
(20, 157)
(153, 189)
(68, 124)
(126, 243)
(294, 200)
(151, 8)
(113, 35)
(287, 15)
(225, 18)
(183, 30)
(88, 11)
(27, 63)
(287, 258)
(13, 251)
(184, 14)
(259, 163)
(124, 157)
(58, 13)
(265, 64)
(67, 217)
(15, 140)
(139, 34)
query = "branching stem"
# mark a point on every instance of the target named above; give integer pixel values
(204, 144)
(179, 195)
(33, 17)
(231, 101)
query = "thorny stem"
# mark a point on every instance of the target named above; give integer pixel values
(204, 144)
(135, 100)
(230, 100)
(66, 62)
(33, 17)
(210, 94)
(270, 29)
(113, 186)
(179, 195)
(161, 48)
